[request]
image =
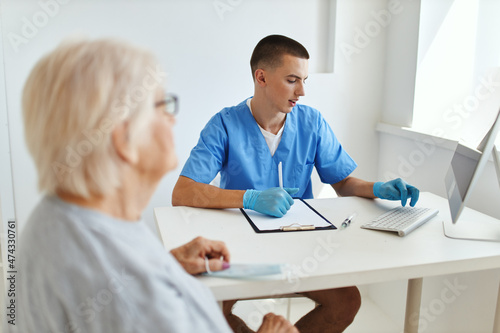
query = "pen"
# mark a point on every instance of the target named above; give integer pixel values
(280, 174)
(348, 220)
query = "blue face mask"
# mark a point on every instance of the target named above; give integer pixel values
(245, 271)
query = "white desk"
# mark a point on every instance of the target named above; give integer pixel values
(334, 258)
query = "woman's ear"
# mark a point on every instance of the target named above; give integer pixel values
(121, 143)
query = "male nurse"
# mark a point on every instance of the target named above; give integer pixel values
(246, 142)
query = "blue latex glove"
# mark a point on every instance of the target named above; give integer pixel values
(396, 189)
(274, 201)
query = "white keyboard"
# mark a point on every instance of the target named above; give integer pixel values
(402, 220)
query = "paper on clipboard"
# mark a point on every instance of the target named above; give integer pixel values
(299, 214)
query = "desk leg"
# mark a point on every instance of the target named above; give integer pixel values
(413, 299)
(496, 323)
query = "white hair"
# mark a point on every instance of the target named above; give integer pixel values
(73, 99)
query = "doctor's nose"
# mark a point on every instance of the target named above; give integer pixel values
(300, 90)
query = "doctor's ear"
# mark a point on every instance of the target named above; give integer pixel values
(260, 77)
(120, 140)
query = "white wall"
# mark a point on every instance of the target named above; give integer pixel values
(205, 50)
(6, 197)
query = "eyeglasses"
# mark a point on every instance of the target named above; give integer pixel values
(170, 104)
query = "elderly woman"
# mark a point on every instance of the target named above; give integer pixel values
(99, 128)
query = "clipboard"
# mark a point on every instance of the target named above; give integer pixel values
(300, 217)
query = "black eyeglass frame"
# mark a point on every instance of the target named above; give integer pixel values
(171, 103)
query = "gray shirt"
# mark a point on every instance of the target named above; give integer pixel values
(86, 272)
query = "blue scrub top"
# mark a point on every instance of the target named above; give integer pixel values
(231, 143)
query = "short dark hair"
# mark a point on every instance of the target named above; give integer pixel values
(271, 49)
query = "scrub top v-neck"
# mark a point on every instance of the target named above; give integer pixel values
(272, 140)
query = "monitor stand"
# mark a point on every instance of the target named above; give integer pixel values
(477, 227)
(486, 228)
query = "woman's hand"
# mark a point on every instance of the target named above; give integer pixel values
(192, 255)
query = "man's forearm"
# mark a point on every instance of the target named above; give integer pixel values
(352, 186)
(187, 192)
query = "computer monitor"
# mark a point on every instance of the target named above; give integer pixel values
(463, 174)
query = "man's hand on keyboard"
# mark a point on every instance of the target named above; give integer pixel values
(396, 189)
